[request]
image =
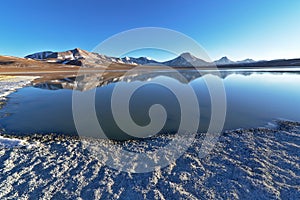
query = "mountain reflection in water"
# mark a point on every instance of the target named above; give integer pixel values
(253, 99)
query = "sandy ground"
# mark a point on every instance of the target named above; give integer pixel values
(245, 164)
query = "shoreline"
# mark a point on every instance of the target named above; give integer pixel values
(9, 84)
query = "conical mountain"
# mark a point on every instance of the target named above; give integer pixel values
(186, 60)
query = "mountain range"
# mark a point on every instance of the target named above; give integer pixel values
(81, 57)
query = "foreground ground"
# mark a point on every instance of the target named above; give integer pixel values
(245, 164)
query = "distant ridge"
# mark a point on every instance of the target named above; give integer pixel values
(226, 61)
(81, 57)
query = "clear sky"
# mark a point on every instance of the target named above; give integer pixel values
(239, 29)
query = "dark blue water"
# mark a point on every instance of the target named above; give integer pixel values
(254, 99)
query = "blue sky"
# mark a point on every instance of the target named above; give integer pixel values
(239, 29)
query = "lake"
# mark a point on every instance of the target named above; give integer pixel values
(254, 98)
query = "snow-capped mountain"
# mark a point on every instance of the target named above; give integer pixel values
(186, 60)
(66, 55)
(89, 59)
(81, 57)
(73, 57)
(40, 55)
(139, 61)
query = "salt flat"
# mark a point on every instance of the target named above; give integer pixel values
(257, 163)
(9, 84)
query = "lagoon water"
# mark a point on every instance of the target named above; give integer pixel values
(253, 99)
